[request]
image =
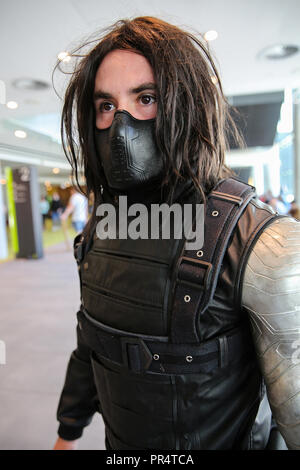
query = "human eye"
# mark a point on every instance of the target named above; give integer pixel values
(106, 107)
(147, 99)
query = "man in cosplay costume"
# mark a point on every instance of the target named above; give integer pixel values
(177, 348)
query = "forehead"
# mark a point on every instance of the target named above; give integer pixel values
(123, 65)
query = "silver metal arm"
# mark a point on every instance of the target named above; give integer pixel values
(271, 295)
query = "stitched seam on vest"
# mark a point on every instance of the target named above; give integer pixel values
(133, 259)
(129, 255)
(116, 297)
(113, 331)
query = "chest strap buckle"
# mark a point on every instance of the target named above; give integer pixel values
(192, 270)
(135, 354)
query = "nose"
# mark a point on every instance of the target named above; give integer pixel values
(125, 105)
(121, 118)
(122, 112)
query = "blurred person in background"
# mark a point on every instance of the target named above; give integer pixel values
(56, 209)
(295, 210)
(279, 205)
(78, 207)
(44, 208)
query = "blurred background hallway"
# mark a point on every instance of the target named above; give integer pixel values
(39, 299)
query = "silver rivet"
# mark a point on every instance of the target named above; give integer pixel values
(199, 253)
(156, 357)
(215, 213)
(187, 298)
(189, 358)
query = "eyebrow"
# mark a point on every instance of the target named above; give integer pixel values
(99, 94)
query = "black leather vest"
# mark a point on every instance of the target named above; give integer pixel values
(128, 285)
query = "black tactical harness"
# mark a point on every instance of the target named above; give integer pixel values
(165, 350)
(141, 353)
(197, 274)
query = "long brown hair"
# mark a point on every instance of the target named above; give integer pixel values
(193, 118)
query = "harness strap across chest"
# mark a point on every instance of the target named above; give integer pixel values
(197, 276)
(144, 353)
(198, 271)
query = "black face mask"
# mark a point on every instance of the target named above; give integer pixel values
(128, 152)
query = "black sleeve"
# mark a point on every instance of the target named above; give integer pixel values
(78, 401)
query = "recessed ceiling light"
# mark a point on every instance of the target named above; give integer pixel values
(64, 56)
(278, 52)
(56, 170)
(3, 181)
(20, 134)
(210, 35)
(12, 104)
(30, 84)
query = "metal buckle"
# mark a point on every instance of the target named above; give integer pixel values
(78, 252)
(202, 264)
(144, 353)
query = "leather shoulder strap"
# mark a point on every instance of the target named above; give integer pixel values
(81, 245)
(198, 271)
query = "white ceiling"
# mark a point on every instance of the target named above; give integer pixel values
(33, 32)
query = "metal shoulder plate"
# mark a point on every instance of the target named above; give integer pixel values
(271, 295)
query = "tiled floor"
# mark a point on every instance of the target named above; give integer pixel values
(38, 304)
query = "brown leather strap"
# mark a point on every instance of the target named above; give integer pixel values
(198, 271)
